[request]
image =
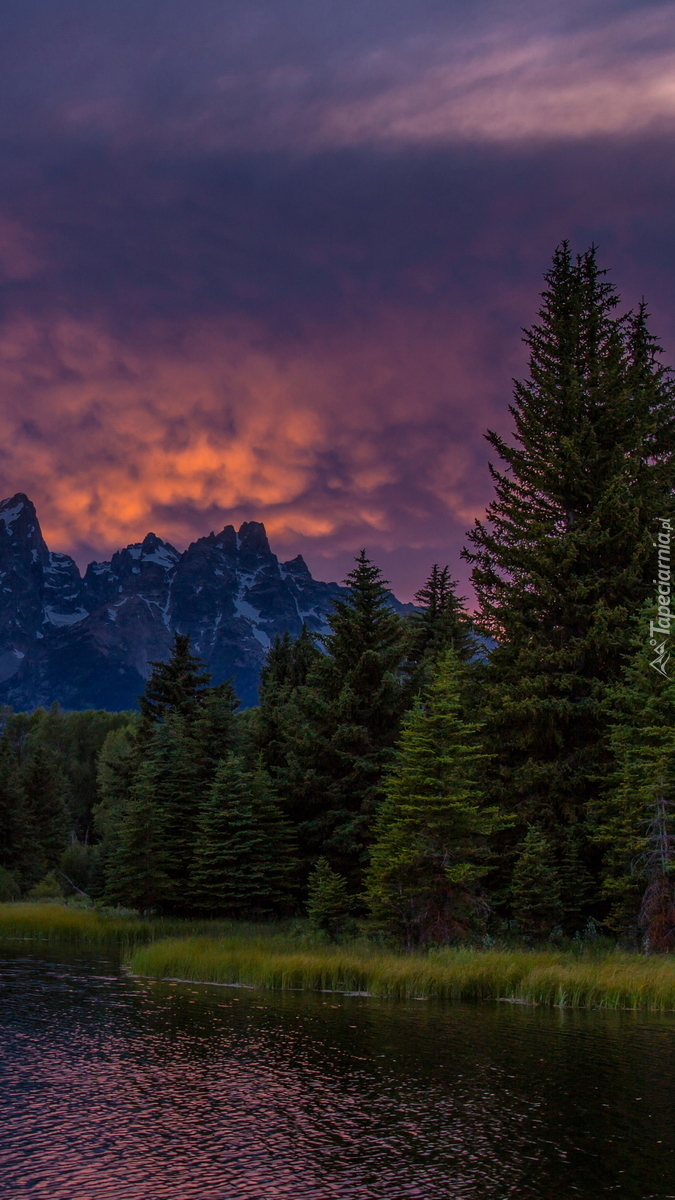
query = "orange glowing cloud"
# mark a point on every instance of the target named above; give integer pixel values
(339, 436)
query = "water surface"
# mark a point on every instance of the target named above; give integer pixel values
(119, 1089)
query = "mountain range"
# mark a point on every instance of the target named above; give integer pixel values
(88, 641)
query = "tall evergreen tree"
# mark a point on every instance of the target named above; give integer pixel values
(564, 561)
(430, 846)
(139, 868)
(535, 888)
(329, 905)
(243, 863)
(158, 778)
(341, 727)
(10, 806)
(638, 795)
(273, 727)
(21, 850)
(441, 622)
(44, 791)
(163, 800)
(212, 733)
(116, 767)
(179, 685)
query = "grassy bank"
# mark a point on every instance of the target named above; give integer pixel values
(615, 980)
(61, 923)
(268, 957)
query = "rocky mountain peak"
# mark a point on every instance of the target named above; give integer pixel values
(87, 642)
(20, 528)
(252, 539)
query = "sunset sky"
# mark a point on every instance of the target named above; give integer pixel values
(270, 260)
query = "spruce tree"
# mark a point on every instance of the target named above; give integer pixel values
(163, 794)
(441, 623)
(578, 889)
(43, 787)
(243, 862)
(21, 850)
(341, 727)
(430, 846)
(212, 733)
(116, 767)
(273, 727)
(329, 905)
(176, 781)
(179, 685)
(157, 776)
(139, 868)
(288, 663)
(639, 791)
(10, 806)
(563, 563)
(535, 887)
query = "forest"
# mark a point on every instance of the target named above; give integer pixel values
(444, 777)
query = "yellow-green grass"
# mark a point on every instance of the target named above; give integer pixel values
(617, 980)
(48, 921)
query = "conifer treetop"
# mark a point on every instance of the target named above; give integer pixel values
(592, 460)
(180, 685)
(363, 620)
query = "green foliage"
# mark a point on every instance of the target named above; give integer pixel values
(641, 739)
(329, 906)
(72, 921)
(153, 784)
(440, 624)
(77, 868)
(213, 730)
(49, 888)
(117, 763)
(139, 865)
(243, 861)
(563, 563)
(117, 766)
(535, 887)
(48, 790)
(73, 742)
(576, 980)
(9, 885)
(335, 733)
(14, 845)
(430, 846)
(180, 685)
(43, 789)
(162, 808)
(578, 888)
(274, 723)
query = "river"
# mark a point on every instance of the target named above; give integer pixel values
(114, 1088)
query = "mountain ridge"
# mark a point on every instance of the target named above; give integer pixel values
(87, 640)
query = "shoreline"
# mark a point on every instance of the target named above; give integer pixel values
(545, 978)
(285, 958)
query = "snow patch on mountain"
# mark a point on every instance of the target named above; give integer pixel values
(9, 515)
(61, 618)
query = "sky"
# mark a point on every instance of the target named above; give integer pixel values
(271, 259)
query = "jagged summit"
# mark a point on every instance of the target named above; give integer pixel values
(86, 641)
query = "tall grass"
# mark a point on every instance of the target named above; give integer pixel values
(617, 980)
(269, 957)
(60, 922)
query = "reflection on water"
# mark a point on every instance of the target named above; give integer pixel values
(118, 1088)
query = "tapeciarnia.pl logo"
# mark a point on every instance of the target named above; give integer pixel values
(659, 630)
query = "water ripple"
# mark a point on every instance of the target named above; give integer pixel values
(123, 1089)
